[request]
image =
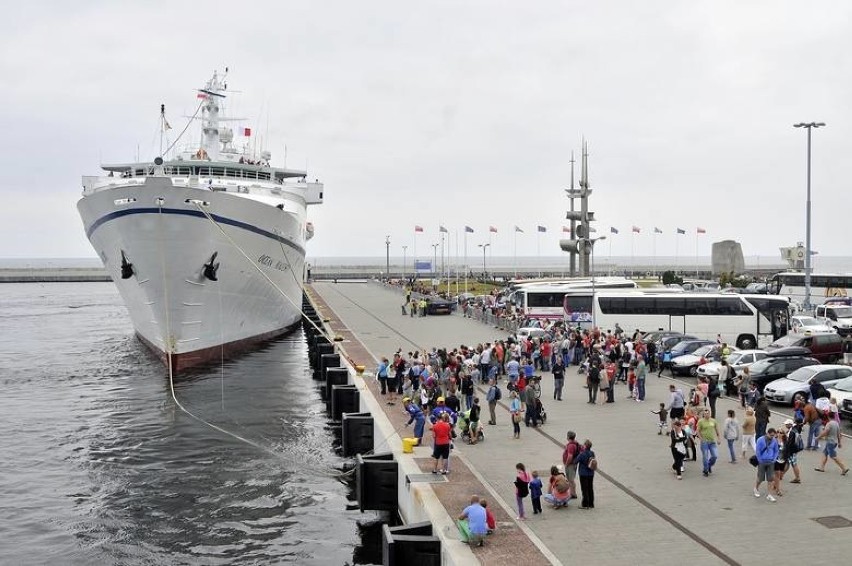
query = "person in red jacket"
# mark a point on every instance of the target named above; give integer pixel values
(442, 433)
(489, 516)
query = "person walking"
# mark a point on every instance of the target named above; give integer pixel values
(382, 375)
(831, 434)
(708, 433)
(522, 488)
(530, 415)
(795, 444)
(743, 383)
(766, 452)
(677, 403)
(586, 466)
(515, 410)
(732, 434)
(558, 377)
(713, 393)
(604, 385)
(678, 447)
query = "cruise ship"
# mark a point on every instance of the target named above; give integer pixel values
(206, 244)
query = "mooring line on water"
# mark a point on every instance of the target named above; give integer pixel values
(168, 349)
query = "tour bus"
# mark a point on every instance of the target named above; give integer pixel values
(746, 321)
(823, 286)
(545, 299)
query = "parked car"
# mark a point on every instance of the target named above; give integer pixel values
(658, 335)
(837, 316)
(755, 289)
(795, 387)
(827, 348)
(688, 364)
(530, 332)
(802, 324)
(842, 391)
(779, 363)
(438, 305)
(737, 360)
(665, 345)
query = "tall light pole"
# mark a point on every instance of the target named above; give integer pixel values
(809, 126)
(484, 271)
(435, 265)
(387, 258)
(404, 261)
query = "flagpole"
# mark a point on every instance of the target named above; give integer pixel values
(515, 261)
(538, 251)
(632, 251)
(466, 268)
(654, 251)
(610, 254)
(696, 253)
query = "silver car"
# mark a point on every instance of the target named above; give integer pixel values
(795, 387)
(737, 360)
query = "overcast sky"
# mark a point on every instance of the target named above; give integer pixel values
(452, 113)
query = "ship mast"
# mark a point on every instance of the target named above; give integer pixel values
(213, 96)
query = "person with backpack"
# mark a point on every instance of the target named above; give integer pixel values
(587, 464)
(795, 444)
(569, 461)
(522, 488)
(558, 378)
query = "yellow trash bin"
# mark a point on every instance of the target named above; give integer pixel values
(408, 445)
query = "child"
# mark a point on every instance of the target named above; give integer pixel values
(632, 385)
(664, 415)
(522, 489)
(489, 516)
(535, 493)
(732, 434)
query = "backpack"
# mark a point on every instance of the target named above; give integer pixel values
(800, 443)
(569, 459)
(593, 463)
(497, 393)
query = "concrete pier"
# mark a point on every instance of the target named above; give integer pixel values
(642, 513)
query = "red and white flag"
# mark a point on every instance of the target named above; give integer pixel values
(566, 229)
(492, 229)
(247, 132)
(637, 230)
(700, 231)
(201, 95)
(418, 228)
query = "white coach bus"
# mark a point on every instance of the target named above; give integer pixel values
(747, 321)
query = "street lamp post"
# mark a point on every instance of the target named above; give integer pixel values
(484, 271)
(809, 126)
(404, 261)
(435, 264)
(387, 258)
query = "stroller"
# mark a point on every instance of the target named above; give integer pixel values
(464, 426)
(542, 414)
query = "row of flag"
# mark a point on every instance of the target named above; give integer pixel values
(612, 230)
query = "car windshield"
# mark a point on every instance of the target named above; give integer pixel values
(734, 358)
(843, 312)
(760, 366)
(788, 340)
(704, 350)
(809, 321)
(844, 385)
(802, 374)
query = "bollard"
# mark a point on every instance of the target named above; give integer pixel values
(333, 376)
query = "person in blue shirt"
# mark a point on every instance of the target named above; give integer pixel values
(416, 417)
(587, 475)
(477, 521)
(440, 409)
(535, 493)
(766, 450)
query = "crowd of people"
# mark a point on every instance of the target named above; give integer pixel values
(439, 388)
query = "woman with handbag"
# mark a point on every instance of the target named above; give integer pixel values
(515, 407)
(678, 447)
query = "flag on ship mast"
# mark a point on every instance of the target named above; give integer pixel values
(681, 231)
(418, 228)
(700, 231)
(468, 229)
(542, 229)
(442, 229)
(613, 230)
(492, 229)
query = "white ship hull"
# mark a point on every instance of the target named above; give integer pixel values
(183, 315)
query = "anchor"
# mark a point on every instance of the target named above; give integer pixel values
(126, 267)
(210, 268)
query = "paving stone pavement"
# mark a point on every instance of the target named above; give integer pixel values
(642, 513)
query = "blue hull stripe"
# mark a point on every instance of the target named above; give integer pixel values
(196, 213)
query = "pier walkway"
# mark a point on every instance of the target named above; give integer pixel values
(642, 514)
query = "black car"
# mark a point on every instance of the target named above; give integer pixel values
(437, 305)
(779, 363)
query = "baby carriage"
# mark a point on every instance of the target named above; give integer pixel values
(539, 408)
